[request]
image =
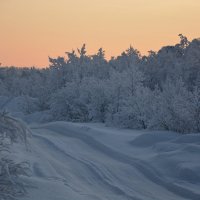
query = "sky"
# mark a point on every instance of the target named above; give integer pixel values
(32, 30)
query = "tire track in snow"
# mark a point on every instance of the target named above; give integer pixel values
(96, 172)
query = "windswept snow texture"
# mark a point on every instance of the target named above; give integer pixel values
(91, 162)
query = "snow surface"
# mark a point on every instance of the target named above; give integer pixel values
(91, 162)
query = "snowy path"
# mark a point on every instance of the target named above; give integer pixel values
(80, 163)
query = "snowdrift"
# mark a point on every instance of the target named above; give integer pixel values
(91, 161)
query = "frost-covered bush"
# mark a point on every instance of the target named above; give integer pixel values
(11, 131)
(194, 108)
(173, 107)
(94, 95)
(66, 104)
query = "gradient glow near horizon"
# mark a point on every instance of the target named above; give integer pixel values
(32, 30)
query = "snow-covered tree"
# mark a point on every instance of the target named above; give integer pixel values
(94, 94)
(173, 111)
(66, 105)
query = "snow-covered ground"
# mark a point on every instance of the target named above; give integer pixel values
(91, 162)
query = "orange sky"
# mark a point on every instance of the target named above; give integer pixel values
(32, 30)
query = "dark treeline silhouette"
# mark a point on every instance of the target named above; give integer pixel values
(158, 91)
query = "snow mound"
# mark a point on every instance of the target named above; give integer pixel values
(174, 156)
(150, 139)
(190, 138)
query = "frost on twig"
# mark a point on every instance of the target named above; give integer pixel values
(11, 131)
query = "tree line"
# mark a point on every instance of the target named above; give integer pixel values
(160, 91)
